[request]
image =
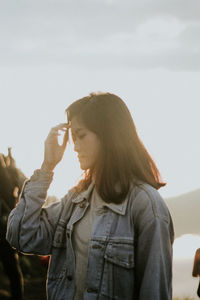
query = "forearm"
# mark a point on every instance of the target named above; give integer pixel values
(29, 226)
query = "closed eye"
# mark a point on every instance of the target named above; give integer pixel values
(79, 136)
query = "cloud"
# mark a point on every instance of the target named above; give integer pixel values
(101, 34)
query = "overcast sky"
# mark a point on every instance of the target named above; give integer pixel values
(147, 52)
(128, 34)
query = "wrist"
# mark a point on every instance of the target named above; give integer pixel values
(47, 167)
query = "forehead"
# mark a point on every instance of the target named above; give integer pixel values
(76, 125)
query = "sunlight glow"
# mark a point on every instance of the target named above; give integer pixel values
(186, 246)
(67, 173)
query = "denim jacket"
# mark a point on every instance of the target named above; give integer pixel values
(130, 250)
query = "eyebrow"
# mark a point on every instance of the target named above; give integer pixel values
(77, 130)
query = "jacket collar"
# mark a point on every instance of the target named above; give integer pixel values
(117, 208)
(84, 195)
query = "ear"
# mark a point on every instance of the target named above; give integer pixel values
(16, 192)
(8, 161)
(2, 161)
(12, 161)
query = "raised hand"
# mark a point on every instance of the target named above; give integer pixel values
(53, 152)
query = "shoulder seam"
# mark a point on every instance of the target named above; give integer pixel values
(149, 194)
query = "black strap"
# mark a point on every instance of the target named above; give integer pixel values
(198, 290)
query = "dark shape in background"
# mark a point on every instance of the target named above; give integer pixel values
(196, 268)
(12, 283)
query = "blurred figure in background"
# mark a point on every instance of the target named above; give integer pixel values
(11, 180)
(196, 268)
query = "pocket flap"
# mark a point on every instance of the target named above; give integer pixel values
(121, 254)
(59, 240)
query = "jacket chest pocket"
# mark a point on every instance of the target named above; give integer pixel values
(57, 266)
(59, 240)
(118, 273)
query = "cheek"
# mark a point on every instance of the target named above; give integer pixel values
(97, 149)
(92, 146)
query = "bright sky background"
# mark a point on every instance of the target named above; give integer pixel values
(147, 52)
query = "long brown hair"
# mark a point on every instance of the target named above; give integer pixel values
(124, 159)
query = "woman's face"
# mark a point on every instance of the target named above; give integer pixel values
(86, 144)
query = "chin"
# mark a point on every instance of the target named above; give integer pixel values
(83, 167)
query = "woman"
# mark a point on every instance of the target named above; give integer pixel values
(111, 236)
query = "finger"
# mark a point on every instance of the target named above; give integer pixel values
(68, 124)
(62, 126)
(53, 132)
(65, 139)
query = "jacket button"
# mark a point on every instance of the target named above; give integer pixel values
(69, 277)
(82, 205)
(90, 290)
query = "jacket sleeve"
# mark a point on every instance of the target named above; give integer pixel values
(153, 247)
(31, 226)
